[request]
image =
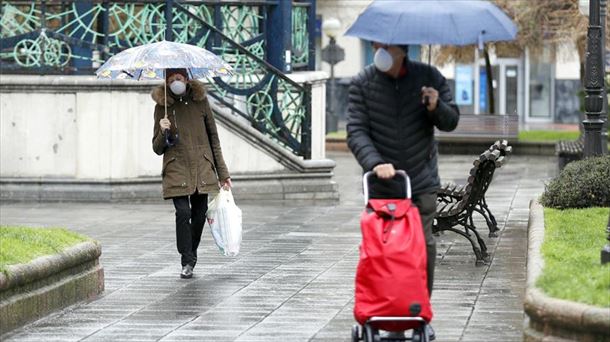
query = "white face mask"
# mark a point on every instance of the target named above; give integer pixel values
(383, 60)
(178, 87)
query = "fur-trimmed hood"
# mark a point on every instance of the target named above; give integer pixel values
(195, 90)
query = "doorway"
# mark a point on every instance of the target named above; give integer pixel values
(507, 84)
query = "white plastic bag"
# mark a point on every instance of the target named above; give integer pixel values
(224, 218)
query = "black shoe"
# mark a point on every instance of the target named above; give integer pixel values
(187, 272)
(431, 333)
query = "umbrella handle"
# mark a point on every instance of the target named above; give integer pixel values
(426, 101)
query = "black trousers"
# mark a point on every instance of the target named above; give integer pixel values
(426, 204)
(190, 218)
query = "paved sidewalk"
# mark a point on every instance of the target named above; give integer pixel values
(293, 280)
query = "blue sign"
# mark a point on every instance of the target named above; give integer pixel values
(463, 85)
(483, 91)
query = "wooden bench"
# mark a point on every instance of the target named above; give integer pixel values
(451, 192)
(449, 215)
(568, 151)
(482, 128)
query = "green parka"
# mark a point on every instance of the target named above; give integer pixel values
(195, 163)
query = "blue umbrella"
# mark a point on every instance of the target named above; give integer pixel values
(444, 22)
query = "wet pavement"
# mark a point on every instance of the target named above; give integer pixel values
(293, 280)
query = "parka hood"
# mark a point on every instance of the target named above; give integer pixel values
(195, 90)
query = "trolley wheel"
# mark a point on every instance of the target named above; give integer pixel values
(420, 335)
(355, 333)
(370, 334)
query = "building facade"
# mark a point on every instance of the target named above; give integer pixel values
(541, 88)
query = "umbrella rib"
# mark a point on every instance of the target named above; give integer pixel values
(457, 32)
(500, 22)
(393, 35)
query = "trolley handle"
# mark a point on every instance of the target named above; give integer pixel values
(396, 319)
(368, 174)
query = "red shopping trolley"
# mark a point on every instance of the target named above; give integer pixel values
(391, 282)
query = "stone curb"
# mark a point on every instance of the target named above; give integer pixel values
(44, 266)
(49, 283)
(259, 187)
(551, 318)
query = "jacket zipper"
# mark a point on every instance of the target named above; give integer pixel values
(397, 97)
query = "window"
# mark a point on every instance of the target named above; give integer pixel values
(540, 82)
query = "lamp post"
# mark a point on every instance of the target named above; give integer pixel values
(603, 18)
(594, 88)
(594, 81)
(583, 6)
(332, 54)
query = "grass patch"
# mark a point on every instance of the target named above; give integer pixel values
(524, 136)
(550, 136)
(571, 250)
(533, 136)
(20, 245)
(337, 135)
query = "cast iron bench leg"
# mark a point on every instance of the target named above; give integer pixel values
(481, 257)
(492, 225)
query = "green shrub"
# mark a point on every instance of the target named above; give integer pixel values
(581, 184)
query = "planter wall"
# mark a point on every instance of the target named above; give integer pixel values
(551, 319)
(31, 291)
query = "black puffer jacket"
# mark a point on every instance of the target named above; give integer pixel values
(387, 122)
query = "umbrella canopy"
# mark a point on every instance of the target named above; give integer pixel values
(444, 22)
(149, 61)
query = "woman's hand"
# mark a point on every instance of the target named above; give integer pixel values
(226, 184)
(165, 124)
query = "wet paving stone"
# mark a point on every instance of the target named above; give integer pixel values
(294, 277)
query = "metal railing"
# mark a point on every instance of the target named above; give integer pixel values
(76, 37)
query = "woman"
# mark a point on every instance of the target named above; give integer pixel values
(192, 158)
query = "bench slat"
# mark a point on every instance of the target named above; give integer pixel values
(485, 125)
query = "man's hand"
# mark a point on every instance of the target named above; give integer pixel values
(432, 95)
(227, 184)
(165, 124)
(384, 171)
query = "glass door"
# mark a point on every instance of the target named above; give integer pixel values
(540, 82)
(506, 82)
(511, 93)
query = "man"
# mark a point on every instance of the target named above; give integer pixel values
(393, 107)
(192, 158)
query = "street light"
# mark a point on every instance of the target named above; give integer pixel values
(594, 81)
(584, 8)
(332, 54)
